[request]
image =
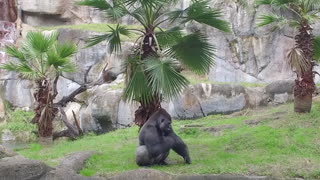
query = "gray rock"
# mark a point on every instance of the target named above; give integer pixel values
(205, 99)
(75, 161)
(2, 110)
(18, 92)
(91, 61)
(87, 123)
(280, 87)
(63, 174)
(4, 152)
(7, 135)
(143, 174)
(40, 6)
(126, 113)
(21, 168)
(100, 111)
(65, 87)
(104, 107)
(86, 57)
(280, 92)
(69, 167)
(282, 98)
(221, 177)
(256, 97)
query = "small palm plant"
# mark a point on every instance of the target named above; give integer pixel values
(151, 74)
(42, 59)
(300, 15)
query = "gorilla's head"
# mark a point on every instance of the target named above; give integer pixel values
(165, 126)
(164, 122)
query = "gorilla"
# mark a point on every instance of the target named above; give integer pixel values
(156, 138)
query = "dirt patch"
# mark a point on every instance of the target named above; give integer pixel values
(217, 130)
(264, 118)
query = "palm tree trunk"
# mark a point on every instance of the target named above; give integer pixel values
(44, 111)
(304, 84)
(142, 114)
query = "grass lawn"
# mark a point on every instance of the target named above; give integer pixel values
(270, 141)
(101, 28)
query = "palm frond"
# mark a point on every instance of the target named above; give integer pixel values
(67, 67)
(139, 15)
(40, 42)
(146, 3)
(169, 37)
(163, 78)
(15, 52)
(201, 12)
(27, 72)
(40, 54)
(117, 11)
(297, 61)
(66, 49)
(316, 48)
(98, 4)
(115, 41)
(94, 40)
(267, 19)
(194, 51)
(137, 88)
(21, 68)
(176, 14)
(9, 66)
(53, 59)
(113, 38)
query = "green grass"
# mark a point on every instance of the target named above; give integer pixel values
(18, 121)
(285, 144)
(101, 28)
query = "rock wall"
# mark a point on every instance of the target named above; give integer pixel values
(249, 53)
(8, 10)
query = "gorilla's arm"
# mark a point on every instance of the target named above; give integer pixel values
(179, 146)
(155, 143)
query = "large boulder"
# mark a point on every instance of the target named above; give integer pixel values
(19, 167)
(2, 109)
(18, 92)
(205, 99)
(100, 111)
(257, 97)
(5, 152)
(143, 174)
(280, 91)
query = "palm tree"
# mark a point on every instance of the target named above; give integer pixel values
(300, 15)
(42, 59)
(150, 70)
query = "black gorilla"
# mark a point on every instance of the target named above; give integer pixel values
(156, 138)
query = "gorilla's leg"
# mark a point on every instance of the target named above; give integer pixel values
(179, 146)
(144, 158)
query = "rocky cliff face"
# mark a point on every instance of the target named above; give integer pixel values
(248, 54)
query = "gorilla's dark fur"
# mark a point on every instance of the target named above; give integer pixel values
(156, 138)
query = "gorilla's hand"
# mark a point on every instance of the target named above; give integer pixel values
(187, 160)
